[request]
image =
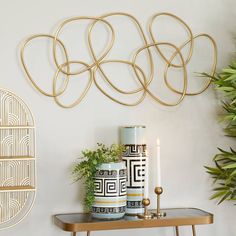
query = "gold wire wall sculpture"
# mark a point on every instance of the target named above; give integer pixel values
(95, 67)
(17, 160)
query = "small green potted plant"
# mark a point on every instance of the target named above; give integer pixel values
(104, 175)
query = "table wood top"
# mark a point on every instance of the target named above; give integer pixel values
(77, 222)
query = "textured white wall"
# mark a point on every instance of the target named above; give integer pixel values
(189, 133)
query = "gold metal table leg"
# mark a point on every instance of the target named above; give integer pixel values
(194, 230)
(177, 230)
(74, 233)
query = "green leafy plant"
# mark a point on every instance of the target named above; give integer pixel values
(224, 175)
(224, 171)
(89, 162)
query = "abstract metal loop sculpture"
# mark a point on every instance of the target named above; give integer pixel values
(98, 61)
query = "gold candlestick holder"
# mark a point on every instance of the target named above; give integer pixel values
(159, 213)
(146, 215)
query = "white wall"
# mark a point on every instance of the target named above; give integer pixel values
(189, 133)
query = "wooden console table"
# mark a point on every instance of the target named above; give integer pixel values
(79, 222)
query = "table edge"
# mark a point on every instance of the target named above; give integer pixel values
(115, 225)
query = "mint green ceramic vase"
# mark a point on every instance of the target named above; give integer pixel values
(110, 191)
(133, 137)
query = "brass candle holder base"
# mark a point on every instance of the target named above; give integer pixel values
(159, 213)
(146, 215)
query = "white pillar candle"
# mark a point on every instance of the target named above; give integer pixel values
(158, 164)
(146, 179)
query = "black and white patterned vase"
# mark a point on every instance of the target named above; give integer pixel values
(110, 191)
(133, 137)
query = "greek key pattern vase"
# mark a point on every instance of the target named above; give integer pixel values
(133, 138)
(110, 191)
